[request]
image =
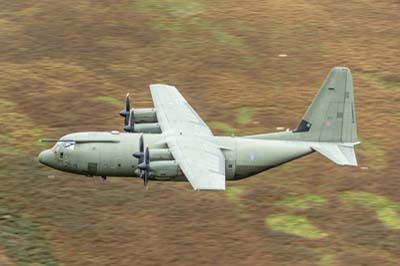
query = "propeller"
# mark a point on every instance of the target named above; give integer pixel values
(145, 166)
(140, 154)
(130, 127)
(125, 113)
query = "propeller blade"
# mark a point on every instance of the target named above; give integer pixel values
(146, 178)
(125, 113)
(146, 163)
(141, 144)
(127, 103)
(147, 156)
(141, 149)
(131, 122)
(139, 154)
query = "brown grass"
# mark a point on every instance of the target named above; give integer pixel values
(64, 65)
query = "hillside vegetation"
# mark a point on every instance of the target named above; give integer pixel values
(66, 66)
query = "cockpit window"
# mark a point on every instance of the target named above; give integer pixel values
(69, 145)
(64, 145)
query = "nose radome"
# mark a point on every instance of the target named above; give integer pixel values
(45, 157)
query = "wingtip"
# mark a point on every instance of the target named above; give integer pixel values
(157, 86)
(341, 68)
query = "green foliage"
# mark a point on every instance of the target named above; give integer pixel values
(23, 240)
(244, 115)
(326, 260)
(387, 211)
(110, 100)
(294, 225)
(378, 80)
(177, 8)
(225, 37)
(302, 202)
(233, 193)
(224, 128)
(4, 104)
(374, 151)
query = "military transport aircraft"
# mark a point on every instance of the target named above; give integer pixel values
(171, 142)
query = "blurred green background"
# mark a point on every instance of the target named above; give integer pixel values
(65, 66)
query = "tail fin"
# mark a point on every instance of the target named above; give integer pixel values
(331, 117)
(329, 125)
(330, 121)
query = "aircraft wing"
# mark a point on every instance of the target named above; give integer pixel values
(174, 113)
(202, 162)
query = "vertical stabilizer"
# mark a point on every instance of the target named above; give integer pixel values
(329, 125)
(331, 117)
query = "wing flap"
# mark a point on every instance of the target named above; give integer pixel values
(202, 162)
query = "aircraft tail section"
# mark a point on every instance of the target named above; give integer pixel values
(329, 125)
(331, 116)
(342, 154)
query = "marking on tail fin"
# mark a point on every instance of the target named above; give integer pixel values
(328, 123)
(304, 126)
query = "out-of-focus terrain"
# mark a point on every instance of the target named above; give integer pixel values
(65, 66)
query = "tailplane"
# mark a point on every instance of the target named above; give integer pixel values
(342, 154)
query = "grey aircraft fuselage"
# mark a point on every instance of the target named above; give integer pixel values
(244, 156)
(186, 145)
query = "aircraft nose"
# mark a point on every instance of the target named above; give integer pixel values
(45, 157)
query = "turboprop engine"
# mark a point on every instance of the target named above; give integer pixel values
(145, 115)
(141, 127)
(157, 163)
(163, 169)
(142, 120)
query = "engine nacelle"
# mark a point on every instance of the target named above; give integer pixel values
(144, 128)
(160, 154)
(145, 115)
(164, 168)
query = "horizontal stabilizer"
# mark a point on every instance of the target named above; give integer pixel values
(342, 154)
